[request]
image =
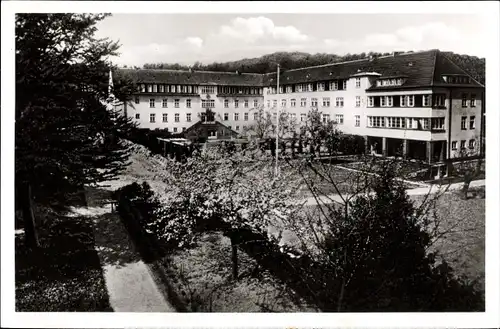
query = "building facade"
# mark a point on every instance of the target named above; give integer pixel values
(419, 105)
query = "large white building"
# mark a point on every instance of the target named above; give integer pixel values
(421, 102)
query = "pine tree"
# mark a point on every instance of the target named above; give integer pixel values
(65, 134)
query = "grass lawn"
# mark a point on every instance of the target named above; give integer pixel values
(463, 242)
(204, 277)
(64, 275)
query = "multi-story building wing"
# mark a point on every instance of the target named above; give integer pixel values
(419, 104)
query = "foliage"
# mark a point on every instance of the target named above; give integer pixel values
(375, 249)
(67, 131)
(265, 124)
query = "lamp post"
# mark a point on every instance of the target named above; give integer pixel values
(277, 120)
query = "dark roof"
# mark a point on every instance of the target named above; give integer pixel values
(194, 77)
(420, 69)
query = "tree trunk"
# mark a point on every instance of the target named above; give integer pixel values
(30, 234)
(234, 256)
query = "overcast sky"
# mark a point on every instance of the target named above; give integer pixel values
(186, 38)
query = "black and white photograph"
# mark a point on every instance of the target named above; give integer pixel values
(244, 161)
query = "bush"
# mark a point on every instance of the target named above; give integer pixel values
(376, 258)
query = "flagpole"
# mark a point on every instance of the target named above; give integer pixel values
(277, 119)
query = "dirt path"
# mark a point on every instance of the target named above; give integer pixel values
(129, 282)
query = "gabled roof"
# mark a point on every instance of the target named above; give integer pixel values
(191, 77)
(420, 69)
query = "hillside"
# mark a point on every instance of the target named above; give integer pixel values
(292, 60)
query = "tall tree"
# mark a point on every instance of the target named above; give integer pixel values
(67, 132)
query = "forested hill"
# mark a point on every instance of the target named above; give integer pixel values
(292, 60)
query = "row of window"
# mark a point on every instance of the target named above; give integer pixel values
(205, 103)
(390, 82)
(437, 100)
(152, 117)
(238, 90)
(406, 123)
(471, 102)
(456, 79)
(164, 88)
(472, 122)
(237, 103)
(314, 86)
(472, 144)
(339, 102)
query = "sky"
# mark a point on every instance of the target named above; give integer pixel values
(187, 38)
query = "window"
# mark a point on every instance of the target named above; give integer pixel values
(175, 129)
(275, 103)
(207, 103)
(184, 89)
(188, 103)
(226, 116)
(177, 117)
(246, 103)
(396, 122)
(472, 143)
(314, 102)
(303, 117)
(283, 103)
(376, 122)
(207, 89)
(426, 100)
(245, 116)
(334, 85)
(454, 145)
(473, 100)
(226, 103)
(150, 88)
(281, 89)
(371, 101)
(155, 88)
(152, 117)
(188, 117)
(463, 123)
(164, 103)
(165, 117)
(183, 128)
(344, 84)
(309, 87)
(358, 82)
(383, 101)
(358, 101)
(326, 118)
(255, 103)
(462, 145)
(339, 102)
(298, 88)
(143, 88)
(176, 103)
(425, 124)
(178, 88)
(237, 128)
(464, 100)
(389, 101)
(268, 103)
(326, 101)
(410, 101)
(137, 101)
(236, 116)
(403, 101)
(439, 100)
(472, 122)
(339, 118)
(437, 123)
(288, 89)
(357, 120)
(236, 103)
(137, 116)
(293, 102)
(303, 102)
(321, 86)
(190, 89)
(152, 103)
(256, 116)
